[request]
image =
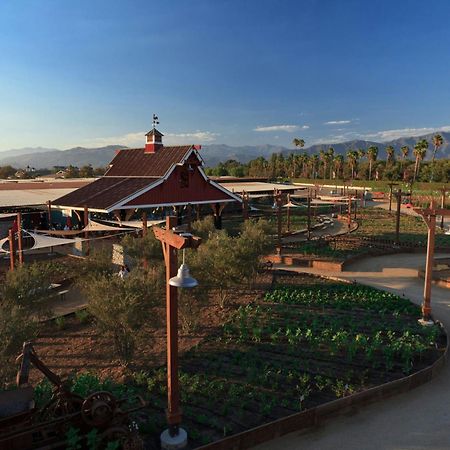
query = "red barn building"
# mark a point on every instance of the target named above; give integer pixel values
(150, 177)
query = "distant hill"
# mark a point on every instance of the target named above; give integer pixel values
(43, 158)
(343, 147)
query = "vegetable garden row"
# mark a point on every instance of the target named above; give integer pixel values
(297, 347)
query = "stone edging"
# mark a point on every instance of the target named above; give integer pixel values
(320, 414)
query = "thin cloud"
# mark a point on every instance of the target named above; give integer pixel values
(138, 139)
(338, 122)
(185, 138)
(389, 135)
(287, 128)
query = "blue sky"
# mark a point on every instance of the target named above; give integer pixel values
(92, 72)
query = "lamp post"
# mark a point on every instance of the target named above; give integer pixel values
(174, 437)
(429, 217)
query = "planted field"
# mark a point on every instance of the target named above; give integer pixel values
(299, 347)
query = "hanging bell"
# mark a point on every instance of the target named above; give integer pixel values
(183, 278)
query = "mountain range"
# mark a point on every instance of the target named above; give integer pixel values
(41, 157)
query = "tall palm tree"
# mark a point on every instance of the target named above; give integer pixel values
(420, 150)
(330, 160)
(314, 162)
(352, 158)
(338, 163)
(390, 151)
(437, 142)
(299, 143)
(405, 152)
(372, 155)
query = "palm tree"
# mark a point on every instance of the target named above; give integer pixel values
(405, 152)
(437, 142)
(299, 143)
(389, 155)
(323, 157)
(331, 159)
(314, 161)
(352, 158)
(420, 150)
(338, 163)
(372, 154)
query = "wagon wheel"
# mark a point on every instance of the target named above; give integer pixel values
(61, 404)
(98, 409)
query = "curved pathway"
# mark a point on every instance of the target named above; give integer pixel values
(415, 420)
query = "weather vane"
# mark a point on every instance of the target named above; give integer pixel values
(155, 120)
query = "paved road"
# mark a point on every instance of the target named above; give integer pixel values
(416, 420)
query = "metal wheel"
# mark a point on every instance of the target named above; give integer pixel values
(98, 409)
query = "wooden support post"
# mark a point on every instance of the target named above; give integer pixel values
(429, 217)
(308, 226)
(245, 201)
(49, 214)
(19, 238)
(443, 192)
(170, 243)
(278, 202)
(397, 216)
(426, 307)
(391, 186)
(144, 223)
(198, 212)
(86, 233)
(173, 391)
(11, 250)
(189, 216)
(288, 213)
(349, 212)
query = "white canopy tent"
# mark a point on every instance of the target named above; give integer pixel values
(41, 241)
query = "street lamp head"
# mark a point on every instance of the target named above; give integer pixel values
(183, 278)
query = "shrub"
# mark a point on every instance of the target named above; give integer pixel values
(143, 248)
(82, 316)
(121, 307)
(204, 228)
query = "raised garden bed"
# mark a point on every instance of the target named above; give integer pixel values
(301, 347)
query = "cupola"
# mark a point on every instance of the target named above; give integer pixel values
(153, 141)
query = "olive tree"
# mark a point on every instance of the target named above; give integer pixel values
(123, 307)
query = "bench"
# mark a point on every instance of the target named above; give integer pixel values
(62, 294)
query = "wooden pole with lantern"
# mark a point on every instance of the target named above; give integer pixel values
(171, 242)
(429, 217)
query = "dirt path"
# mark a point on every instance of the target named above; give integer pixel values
(416, 420)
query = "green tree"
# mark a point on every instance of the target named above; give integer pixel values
(123, 307)
(390, 152)
(372, 154)
(420, 151)
(437, 142)
(7, 171)
(86, 171)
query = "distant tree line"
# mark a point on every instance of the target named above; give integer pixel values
(358, 163)
(87, 171)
